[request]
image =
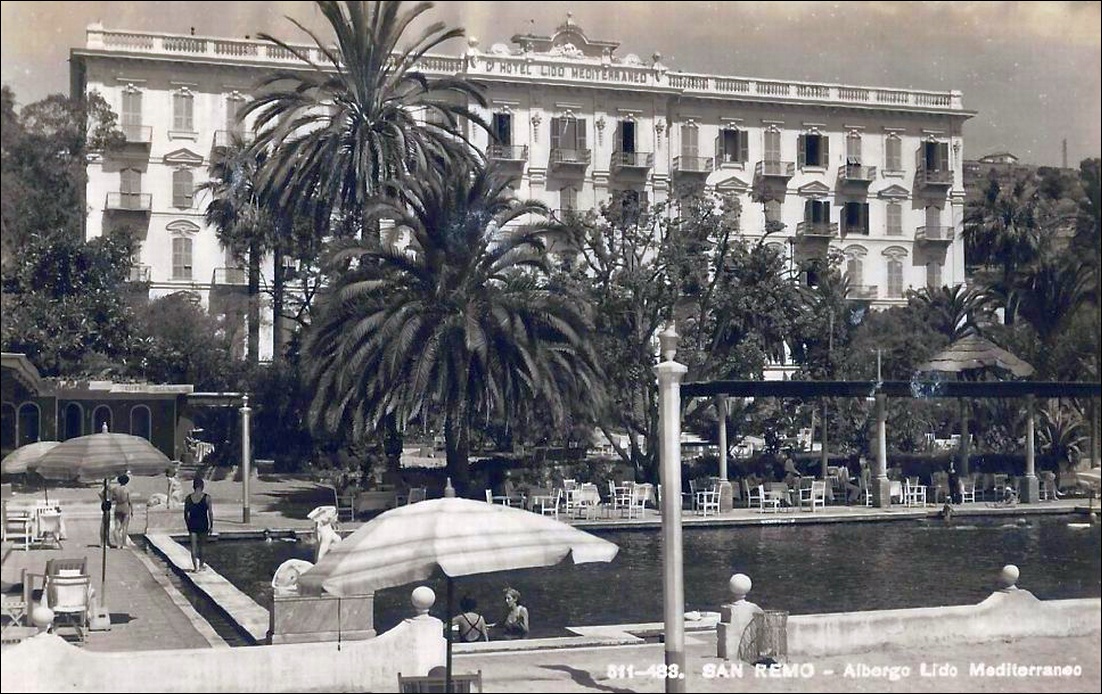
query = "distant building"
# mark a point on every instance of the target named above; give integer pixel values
(875, 172)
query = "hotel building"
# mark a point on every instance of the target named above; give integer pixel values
(875, 172)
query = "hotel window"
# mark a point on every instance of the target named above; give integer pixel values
(893, 153)
(233, 108)
(933, 222)
(813, 149)
(772, 211)
(29, 418)
(183, 109)
(74, 421)
(690, 142)
(181, 258)
(856, 218)
(7, 427)
(183, 188)
(772, 145)
(568, 198)
(503, 129)
(855, 273)
(895, 219)
(895, 278)
(733, 146)
(130, 189)
(935, 155)
(853, 149)
(131, 117)
(625, 139)
(817, 211)
(933, 274)
(140, 422)
(568, 134)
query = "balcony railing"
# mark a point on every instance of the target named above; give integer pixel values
(934, 234)
(863, 291)
(631, 160)
(570, 157)
(817, 230)
(856, 173)
(508, 152)
(139, 273)
(855, 229)
(782, 169)
(129, 202)
(225, 138)
(934, 177)
(692, 165)
(137, 134)
(229, 277)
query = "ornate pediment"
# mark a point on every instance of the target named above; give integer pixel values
(732, 184)
(183, 156)
(815, 189)
(569, 41)
(895, 192)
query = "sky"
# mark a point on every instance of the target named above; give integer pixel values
(1031, 70)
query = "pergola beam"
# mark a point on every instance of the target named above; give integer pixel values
(895, 389)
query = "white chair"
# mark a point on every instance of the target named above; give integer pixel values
(47, 527)
(19, 530)
(813, 496)
(587, 500)
(767, 504)
(637, 503)
(70, 598)
(967, 490)
(707, 501)
(753, 494)
(549, 505)
(914, 492)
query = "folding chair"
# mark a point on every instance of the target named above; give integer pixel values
(19, 530)
(70, 598)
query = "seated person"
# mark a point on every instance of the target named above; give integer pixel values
(470, 624)
(792, 474)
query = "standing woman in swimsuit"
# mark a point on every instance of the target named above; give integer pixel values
(199, 517)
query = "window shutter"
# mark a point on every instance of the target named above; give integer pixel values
(627, 136)
(809, 211)
(943, 155)
(580, 138)
(720, 158)
(743, 146)
(556, 133)
(824, 150)
(865, 218)
(801, 150)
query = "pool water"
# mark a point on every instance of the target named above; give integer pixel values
(830, 567)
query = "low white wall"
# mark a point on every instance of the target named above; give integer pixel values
(48, 663)
(1003, 615)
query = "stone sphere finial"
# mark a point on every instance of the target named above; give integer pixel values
(472, 41)
(739, 585)
(422, 598)
(42, 616)
(1008, 577)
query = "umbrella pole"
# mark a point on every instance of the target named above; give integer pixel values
(448, 631)
(105, 536)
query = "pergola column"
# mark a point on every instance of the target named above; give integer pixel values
(881, 486)
(246, 449)
(726, 496)
(1028, 487)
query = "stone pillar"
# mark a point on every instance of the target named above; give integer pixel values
(670, 374)
(1029, 488)
(726, 493)
(734, 617)
(246, 456)
(881, 486)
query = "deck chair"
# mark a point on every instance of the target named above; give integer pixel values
(19, 529)
(70, 598)
(78, 565)
(48, 527)
(17, 604)
(463, 682)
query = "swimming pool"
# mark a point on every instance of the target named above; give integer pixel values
(830, 567)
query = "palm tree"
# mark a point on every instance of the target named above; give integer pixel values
(1051, 293)
(241, 221)
(464, 320)
(954, 311)
(348, 123)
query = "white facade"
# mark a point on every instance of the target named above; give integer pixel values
(874, 172)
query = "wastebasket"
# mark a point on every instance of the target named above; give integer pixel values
(766, 638)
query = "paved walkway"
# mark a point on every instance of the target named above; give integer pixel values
(149, 613)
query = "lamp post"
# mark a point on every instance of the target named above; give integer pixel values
(246, 412)
(670, 374)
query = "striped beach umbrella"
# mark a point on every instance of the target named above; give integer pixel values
(100, 456)
(15, 463)
(459, 537)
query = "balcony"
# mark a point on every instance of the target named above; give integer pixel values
(934, 234)
(226, 138)
(863, 291)
(775, 169)
(569, 160)
(139, 274)
(855, 229)
(129, 202)
(934, 178)
(508, 153)
(229, 277)
(855, 173)
(689, 165)
(137, 134)
(631, 161)
(816, 230)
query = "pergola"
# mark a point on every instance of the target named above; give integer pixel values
(881, 391)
